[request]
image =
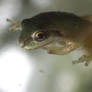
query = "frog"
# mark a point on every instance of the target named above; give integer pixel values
(58, 33)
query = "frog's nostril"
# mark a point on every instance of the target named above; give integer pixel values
(21, 44)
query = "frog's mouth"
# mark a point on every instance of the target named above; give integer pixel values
(26, 45)
(40, 46)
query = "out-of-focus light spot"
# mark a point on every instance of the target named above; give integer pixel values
(66, 82)
(15, 70)
(41, 3)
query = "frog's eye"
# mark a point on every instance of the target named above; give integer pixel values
(39, 36)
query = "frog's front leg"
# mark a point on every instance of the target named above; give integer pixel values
(16, 25)
(83, 59)
(63, 50)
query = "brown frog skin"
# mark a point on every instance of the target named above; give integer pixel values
(57, 32)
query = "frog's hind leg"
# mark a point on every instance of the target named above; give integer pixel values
(83, 59)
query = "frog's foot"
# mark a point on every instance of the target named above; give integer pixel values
(16, 25)
(83, 59)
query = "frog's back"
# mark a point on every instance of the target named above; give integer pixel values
(44, 19)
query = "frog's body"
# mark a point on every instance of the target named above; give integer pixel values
(60, 33)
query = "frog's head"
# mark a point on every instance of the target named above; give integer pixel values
(39, 31)
(35, 39)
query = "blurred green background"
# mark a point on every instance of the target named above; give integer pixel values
(36, 71)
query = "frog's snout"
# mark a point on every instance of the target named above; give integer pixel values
(21, 44)
(24, 44)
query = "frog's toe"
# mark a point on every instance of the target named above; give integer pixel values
(76, 61)
(86, 64)
(88, 60)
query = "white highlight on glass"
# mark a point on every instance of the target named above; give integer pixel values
(15, 70)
